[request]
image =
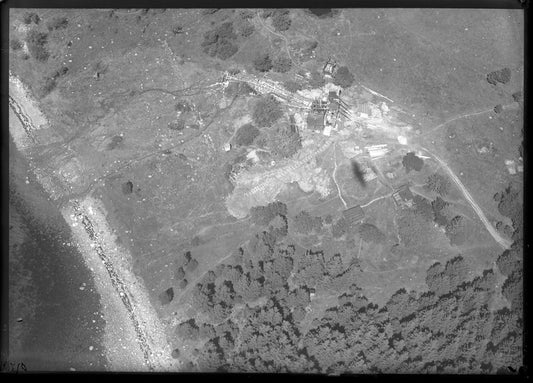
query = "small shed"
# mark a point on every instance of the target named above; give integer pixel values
(403, 197)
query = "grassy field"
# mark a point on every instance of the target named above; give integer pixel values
(129, 74)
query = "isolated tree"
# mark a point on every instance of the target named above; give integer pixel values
(517, 96)
(411, 162)
(192, 265)
(262, 62)
(180, 273)
(166, 296)
(281, 19)
(177, 29)
(183, 284)
(183, 259)
(499, 76)
(281, 64)
(343, 77)
(267, 111)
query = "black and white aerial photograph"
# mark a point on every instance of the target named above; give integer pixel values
(323, 191)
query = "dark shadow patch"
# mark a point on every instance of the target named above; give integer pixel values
(127, 187)
(358, 173)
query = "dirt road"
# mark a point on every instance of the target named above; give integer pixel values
(503, 242)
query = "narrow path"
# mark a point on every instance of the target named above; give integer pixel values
(376, 199)
(503, 242)
(335, 179)
(505, 107)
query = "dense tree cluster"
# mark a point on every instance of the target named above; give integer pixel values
(245, 28)
(448, 329)
(438, 184)
(281, 64)
(246, 135)
(292, 86)
(285, 141)
(219, 41)
(339, 227)
(262, 62)
(267, 111)
(455, 230)
(343, 77)
(305, 223)
(281, 19)
(413, 229)
(263, 215)
(499, 76)
(235, 89)
(423, 207)
(36, 42)
(370, 233)
(411, 162)
(57, 22)
(30, 17)
(316, 80)
(443, 279)
(510, 205)
(438, 206)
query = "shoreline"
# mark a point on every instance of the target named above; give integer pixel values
(134, 337)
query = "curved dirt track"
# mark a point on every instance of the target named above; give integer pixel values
(503, 242)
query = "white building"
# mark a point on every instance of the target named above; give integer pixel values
(511, 167)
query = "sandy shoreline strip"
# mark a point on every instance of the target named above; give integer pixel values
(134, 336)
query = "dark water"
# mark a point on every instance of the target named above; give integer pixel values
(67, 320)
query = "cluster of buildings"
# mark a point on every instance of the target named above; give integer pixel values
(513, 167)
